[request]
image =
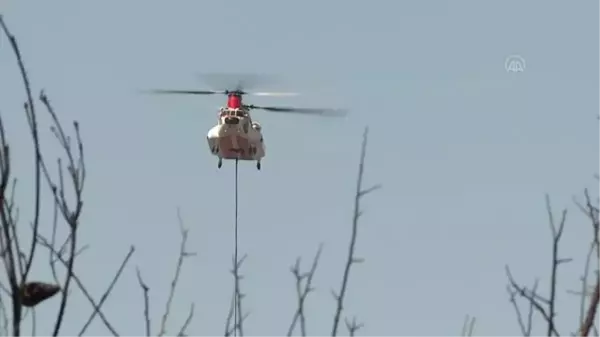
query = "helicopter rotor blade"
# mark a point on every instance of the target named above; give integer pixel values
(276, 94)
(236, 81)
(224, 92)
(309, 111)
(185, 92)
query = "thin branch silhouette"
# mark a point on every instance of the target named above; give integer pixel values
(360, 193)
(183, 254)
(236, 302)
(545, 307)
(303, 288)
(468, 326)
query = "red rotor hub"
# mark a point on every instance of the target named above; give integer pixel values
(234, 101)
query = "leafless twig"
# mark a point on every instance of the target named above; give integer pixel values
(587, 323)
(146, 290)
(3, 318)
(360, 193)
(236, 303)
(585, 291)
(187, 322)
(228, 328)
(32, 120)
(468, 326)
(183, 254)
(108, 290)
(353, 326)
(76, 171)
(535, 300)
(6, 242)
(45, 243)
(303, 291)
(9, 242)
(526, 327)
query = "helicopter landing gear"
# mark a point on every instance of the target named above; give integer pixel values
(258, 165)
(220, 163)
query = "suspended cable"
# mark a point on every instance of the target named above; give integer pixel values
(236, 282)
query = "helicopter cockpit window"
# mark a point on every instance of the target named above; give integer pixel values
(239, 113)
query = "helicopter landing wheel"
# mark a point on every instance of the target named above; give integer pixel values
(258, 165)
(220, 163)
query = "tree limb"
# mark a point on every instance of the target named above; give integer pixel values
(468, 326)
(536, 301)
(593, 214)
(302, 292)
(44, 243)
(235, 310)
(183, 254)
(108, 291)
(360, 193)
(145, 289)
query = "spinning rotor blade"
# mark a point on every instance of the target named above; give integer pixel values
(186, 92)
(236, 82)
(309, 111)
(223, 92)
(278, 94)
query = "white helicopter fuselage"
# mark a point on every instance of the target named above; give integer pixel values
(236, 136)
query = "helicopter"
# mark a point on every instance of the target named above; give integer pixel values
(237, 136)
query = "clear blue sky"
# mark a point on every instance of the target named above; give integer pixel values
(465, 152)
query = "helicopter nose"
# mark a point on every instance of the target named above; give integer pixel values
(232, 120)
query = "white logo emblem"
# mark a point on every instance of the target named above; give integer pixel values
(514, 64)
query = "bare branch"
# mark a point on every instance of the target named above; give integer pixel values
(145, 289)
(360, 192)
(587, 324)
(24, 261)
(468, 326)
(353, 326)
(187, 322)
(235, 309)
(583, 294)
(556, 235)
(6, 242)
(536, 301)
(302, 292)
(3, 317)
(44, 243)
(526, 327)
(108, 290)
(182, 255)
(531, 297)
(32, 120)
(33, 323)
(71, 214)
(228, 328)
